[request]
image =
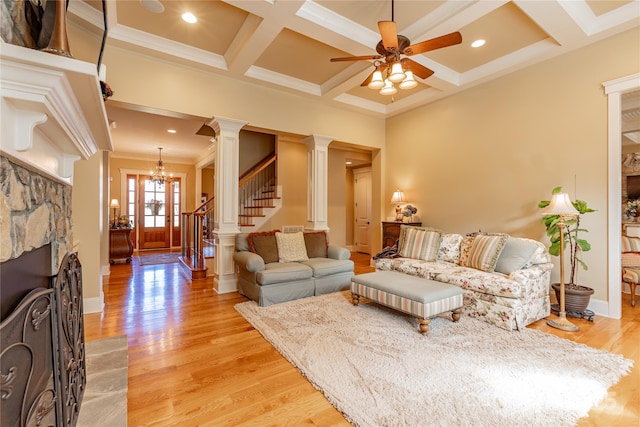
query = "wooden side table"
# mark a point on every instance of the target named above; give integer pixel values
(391, 232)
(120, 244)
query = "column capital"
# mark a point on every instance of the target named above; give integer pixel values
(224, 124)
(318, 141)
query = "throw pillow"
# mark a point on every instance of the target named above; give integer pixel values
(630, 244)
(316, 244)
(265, 245)
(291, 247)
(465, 247)
(421, 244)
(485, 250)
(450, 248)
(515, 255)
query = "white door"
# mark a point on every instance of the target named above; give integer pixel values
(362, 197)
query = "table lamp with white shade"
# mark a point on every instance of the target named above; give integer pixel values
(561, 205)
(115, 204)
(396, 199)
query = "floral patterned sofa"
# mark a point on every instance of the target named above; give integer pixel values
(505, 279)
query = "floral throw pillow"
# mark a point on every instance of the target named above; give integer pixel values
(291, 247)
(450, 248)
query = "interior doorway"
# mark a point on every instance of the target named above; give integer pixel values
(159, 207)
(614, 90)
(362, 209)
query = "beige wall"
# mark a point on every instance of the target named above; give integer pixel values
(292, 176)
(337, 210)
(89, 225)
(208, 182)
(482, 159)
(254, 146)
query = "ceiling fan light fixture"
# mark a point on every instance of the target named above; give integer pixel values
(388, 89)
(409, 82)
(376, 81)
(397, 73)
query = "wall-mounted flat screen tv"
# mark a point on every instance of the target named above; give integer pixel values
(633, 187)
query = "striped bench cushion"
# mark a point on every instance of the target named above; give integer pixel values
(413, 295)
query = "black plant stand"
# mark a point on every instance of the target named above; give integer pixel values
(587, 314)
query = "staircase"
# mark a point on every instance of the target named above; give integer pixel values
(258, 193)
(259, 199)
(197, 239)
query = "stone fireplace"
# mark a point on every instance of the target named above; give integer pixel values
(34, 211)
(52, 116)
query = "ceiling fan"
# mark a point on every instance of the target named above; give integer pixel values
(394, 50)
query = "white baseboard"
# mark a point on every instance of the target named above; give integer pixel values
(599, 307)
(93, 305)
(106, 270)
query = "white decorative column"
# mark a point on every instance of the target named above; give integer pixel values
(317, 181)
(227, 154)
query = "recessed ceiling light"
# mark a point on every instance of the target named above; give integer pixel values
(478, 43)
(171, 130)
(348, 162)
(152, 5)
(189, 17)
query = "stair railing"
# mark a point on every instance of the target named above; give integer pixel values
(196, 227)
(257, 189)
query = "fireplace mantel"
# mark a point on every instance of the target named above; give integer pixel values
(52, 110)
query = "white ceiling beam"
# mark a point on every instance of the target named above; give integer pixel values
(553, 19)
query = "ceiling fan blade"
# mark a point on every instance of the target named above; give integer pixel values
(433, 44)
(418, 69)
(356, 58)
(389, 35)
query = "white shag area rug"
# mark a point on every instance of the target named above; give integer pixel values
(373, 365)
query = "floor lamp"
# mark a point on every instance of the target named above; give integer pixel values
(561, 205)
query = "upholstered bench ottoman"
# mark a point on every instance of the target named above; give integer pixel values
(419, 297)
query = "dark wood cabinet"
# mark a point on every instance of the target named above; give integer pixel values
(391, 231)
(120, 244)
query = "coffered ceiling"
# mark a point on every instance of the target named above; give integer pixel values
(287, 44)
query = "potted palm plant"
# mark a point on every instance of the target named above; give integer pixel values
(576, 296)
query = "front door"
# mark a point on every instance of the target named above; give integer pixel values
(158, 212)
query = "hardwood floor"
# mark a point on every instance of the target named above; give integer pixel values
(193, 360)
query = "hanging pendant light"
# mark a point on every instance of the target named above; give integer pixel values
(159, 176)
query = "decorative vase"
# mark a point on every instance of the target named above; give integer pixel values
(59, 44)
(576, 297)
